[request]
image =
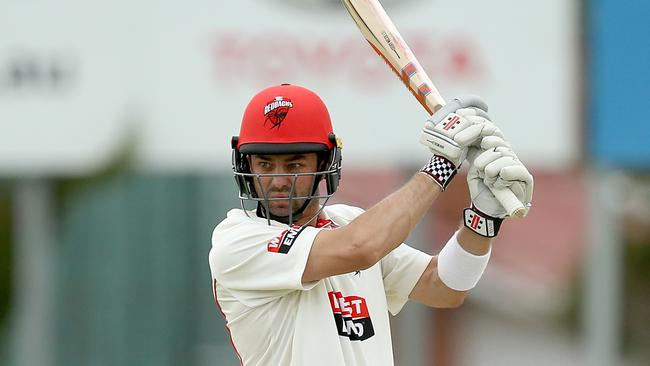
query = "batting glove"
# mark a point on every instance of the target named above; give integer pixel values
(449, 133)
(497, 166)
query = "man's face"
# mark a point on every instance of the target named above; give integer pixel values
(280, 187)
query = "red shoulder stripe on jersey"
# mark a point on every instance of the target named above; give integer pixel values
(325, 223)
(214, 293)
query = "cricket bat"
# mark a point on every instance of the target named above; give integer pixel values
(382, 35)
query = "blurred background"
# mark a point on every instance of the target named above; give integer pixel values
(115, 126)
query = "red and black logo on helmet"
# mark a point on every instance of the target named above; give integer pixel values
(276, 111)
(285, 119)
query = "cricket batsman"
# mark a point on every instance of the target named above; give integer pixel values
(303, 283)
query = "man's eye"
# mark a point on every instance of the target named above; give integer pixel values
(264, 164)
(295, 165)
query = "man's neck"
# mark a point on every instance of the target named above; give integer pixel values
(310, 215)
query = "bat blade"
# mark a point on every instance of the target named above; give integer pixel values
(378, 29)
(382, 35)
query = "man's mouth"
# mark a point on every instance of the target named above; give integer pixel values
(279, 195)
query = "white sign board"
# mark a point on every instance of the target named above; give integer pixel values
(76, 78)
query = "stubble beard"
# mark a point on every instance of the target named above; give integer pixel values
(280, 208)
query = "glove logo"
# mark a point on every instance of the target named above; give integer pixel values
(351, 316)
(451, 122)
(476, 222)
(276, 111)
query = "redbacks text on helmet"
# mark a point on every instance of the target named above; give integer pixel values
(286, 119)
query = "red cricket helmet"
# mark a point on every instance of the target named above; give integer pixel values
(286, 119)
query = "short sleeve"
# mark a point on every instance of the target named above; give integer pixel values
(257, 262)
(401, 269)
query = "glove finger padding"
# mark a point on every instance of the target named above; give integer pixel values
(489, 156)
(500, 168)
(487, 143)
(479, 127)
(490, 142)
(493, 169)
(482, 197)
(519, 180)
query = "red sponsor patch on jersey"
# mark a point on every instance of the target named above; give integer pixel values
(284, 242)
(351, 316)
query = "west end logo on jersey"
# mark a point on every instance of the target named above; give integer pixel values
(282, 244)
(276, 111)
(351, 316)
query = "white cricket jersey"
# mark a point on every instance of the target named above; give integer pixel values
(276, 320)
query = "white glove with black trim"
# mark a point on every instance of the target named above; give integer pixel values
(495, 165)
(461, 123)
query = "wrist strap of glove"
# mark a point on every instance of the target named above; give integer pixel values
(481, 223)
(441, 170)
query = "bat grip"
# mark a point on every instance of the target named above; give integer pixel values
(510, 202)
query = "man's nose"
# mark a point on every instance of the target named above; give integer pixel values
(282, 181)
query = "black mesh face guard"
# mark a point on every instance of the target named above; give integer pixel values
(245, 182)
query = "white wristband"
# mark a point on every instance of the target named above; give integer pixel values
(458, 269)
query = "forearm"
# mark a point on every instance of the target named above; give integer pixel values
(373, 234)
(472, 242)
(387, 224)
(432, 290)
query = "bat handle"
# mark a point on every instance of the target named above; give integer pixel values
(510, 202)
